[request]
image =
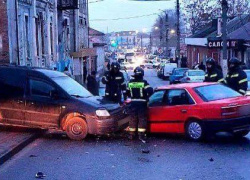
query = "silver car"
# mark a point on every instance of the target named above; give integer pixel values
(193, 76)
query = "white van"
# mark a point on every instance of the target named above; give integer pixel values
(168, 69)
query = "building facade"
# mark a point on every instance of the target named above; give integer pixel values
(43, 33)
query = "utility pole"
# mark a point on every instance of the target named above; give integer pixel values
(178, 49)
(161, 24)
(167, 29)
(224, 35)
(150, 44)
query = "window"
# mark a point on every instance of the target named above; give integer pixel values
(156, 98)
(177, 97)
(11, 89)
(40, 88)
(216, 92)
(27, 37)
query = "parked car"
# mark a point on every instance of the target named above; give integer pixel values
(193, 76)
(129, 56)
(41, 98)
(248, 81)
(168, 68)
(176, 75)
(198, 110)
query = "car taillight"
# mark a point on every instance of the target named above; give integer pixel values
(227, 111)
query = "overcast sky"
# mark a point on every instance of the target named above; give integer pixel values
(110, 9)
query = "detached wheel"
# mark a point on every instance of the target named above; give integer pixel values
(241, 134)
(194, 131)
(76, 129)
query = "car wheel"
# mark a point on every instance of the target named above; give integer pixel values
(76, 129)
(241, 134)
(195, 131)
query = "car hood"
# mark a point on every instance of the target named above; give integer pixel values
(99, 102)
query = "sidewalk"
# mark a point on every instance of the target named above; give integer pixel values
(13, 141)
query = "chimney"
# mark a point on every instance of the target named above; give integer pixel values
(219, 26)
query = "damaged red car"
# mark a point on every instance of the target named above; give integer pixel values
(199, 110)
(46, 99)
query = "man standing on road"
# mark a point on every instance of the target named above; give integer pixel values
(92, 84)
(139, 90)
(115, 84)
(213, 73)
(236, 77)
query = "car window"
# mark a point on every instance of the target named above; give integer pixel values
(157, 98)
(10, 89)
(216, 92)
(177, 97)
(40, 88)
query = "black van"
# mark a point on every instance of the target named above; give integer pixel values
(42, 98)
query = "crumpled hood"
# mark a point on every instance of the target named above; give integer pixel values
(100, 102)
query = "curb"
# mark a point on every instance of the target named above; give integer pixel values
(17, 148)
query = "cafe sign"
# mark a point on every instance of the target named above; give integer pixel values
(235, 44)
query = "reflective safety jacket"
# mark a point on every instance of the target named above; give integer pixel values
(237, 80)
(115, 86)
(214, 76)
(139, 90)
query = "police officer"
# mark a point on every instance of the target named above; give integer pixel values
(115, 84)
(236, 77)
(213, 73)
(139, 91)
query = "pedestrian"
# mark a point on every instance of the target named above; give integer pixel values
(236, 77)
(92, 84)
(115, 84)
(139, 91)
(85, 73)
(202, 66)
(66, 71)
(213, 74)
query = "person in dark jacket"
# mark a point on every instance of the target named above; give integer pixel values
(115, 84)
(236, 77)
(139, 91)
(85, 73)
(213, 74)
(92, 84)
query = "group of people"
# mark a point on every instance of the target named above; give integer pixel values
(236, 78)
(137, 89)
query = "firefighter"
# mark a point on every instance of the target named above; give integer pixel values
(139, 91)
(236, 77)
(115, 84)
(213, 73)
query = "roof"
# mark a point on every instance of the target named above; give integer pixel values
(94, 32)
(241, 33)
(185, 85)
(210, 28)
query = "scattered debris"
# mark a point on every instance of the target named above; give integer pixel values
(40, 175)
(32, 156)
(145, 151)
(86, 152)
(111, 154)
(211, 159)
(158, 155)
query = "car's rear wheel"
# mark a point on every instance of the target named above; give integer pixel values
(241, 134)
(76, 128)
(194, 130)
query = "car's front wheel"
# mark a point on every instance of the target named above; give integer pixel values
(194, 130)
(241, 134)
(76, 128)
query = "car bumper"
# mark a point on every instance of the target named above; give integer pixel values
(235, 124)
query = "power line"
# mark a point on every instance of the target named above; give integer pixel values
(125, 18)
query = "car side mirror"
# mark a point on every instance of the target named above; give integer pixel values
(54, 94)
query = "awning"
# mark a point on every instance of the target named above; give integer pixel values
(84, 53)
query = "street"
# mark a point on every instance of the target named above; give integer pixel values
(114, 157)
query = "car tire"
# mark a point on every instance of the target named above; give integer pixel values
(194, 131)
(76, 129)
(241, 134)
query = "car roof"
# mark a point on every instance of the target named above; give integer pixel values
(51, 73)
(185, 85)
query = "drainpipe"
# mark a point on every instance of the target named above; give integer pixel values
(17, 32)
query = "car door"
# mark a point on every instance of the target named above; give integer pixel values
(42, 110)
(12, 102)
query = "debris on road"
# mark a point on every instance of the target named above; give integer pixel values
(211, 159)
(32, 156)
(40, 175)
(145, 151)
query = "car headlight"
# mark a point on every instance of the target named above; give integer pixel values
(102, 113)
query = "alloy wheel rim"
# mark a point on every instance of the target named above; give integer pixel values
(195, 130)
(76, 129)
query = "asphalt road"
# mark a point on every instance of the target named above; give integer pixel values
(112, 158)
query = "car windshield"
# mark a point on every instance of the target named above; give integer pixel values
(216, 92)
(72, 87)
(196, 73)
(180, 72)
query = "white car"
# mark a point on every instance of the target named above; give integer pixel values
(193, 76)
(168, 69)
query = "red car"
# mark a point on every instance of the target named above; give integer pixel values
(199, 109)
